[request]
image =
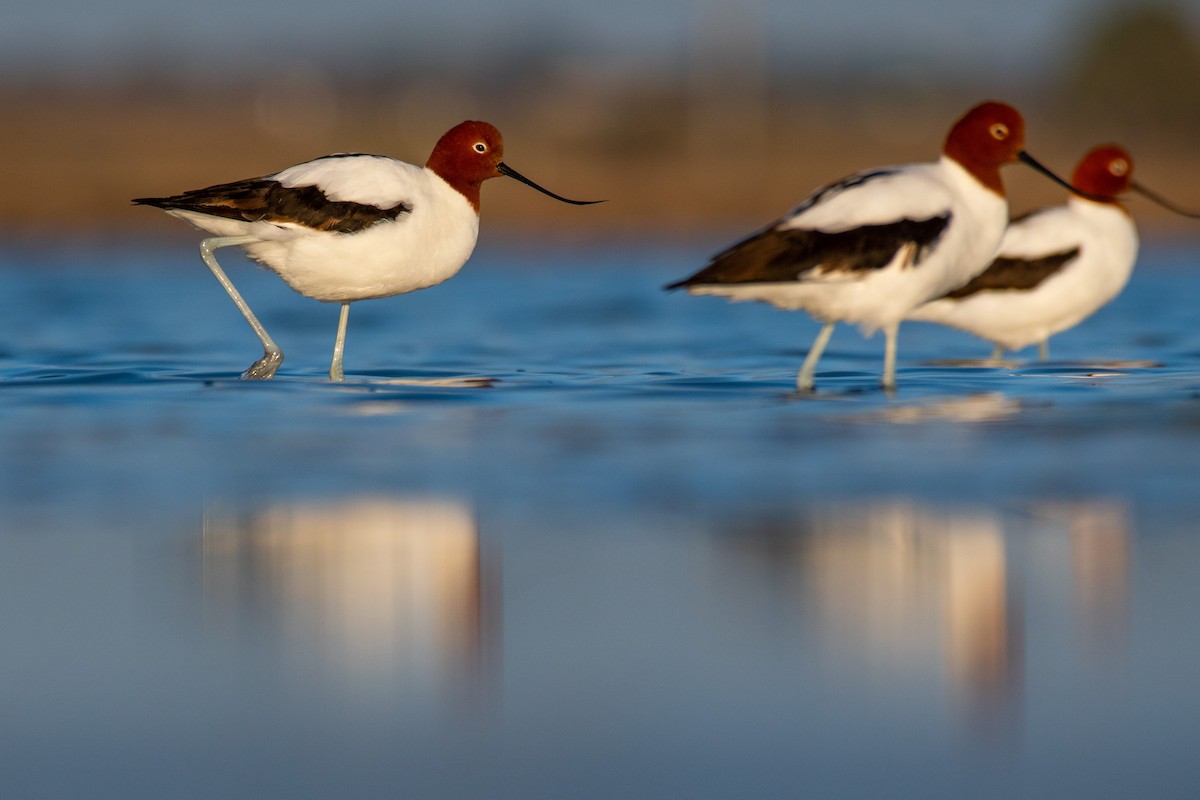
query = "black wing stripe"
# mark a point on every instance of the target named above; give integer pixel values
(266, 200)
(784, 255)
(1016, 274)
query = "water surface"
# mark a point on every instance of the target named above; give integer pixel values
(561, 534)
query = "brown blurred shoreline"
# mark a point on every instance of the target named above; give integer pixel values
(670, 163)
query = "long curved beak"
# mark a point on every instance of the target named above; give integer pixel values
(1037, 165)
(505, 169)
(1162, 201)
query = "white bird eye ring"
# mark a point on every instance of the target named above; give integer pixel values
(480, 147)
(999, 131)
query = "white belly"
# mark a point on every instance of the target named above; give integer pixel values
(387, 259)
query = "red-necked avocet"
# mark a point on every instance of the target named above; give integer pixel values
(872, 247)
(350, 226)
(1056, 266)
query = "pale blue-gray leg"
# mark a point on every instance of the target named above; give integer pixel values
(339, 345)
(265, 367)
(804, 381)
(889, 357)
(1044, 349)
(997, 353)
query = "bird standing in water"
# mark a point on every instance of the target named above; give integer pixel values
(870, 248)
(1055, 267)
(349, 226)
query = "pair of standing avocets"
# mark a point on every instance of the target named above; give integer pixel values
(873, 249)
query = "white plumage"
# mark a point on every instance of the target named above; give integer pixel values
(881, 297)
(872, 247)
(421, 249)
(351, 227)
(1055, 267)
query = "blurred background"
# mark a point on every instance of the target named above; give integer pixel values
(686, 114)
(576, 537)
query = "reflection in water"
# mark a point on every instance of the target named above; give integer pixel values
(386, 593)
(911, 591)
(1098, 536)
(988, 407)
(914, 586)
(377, 401)
(983, 636)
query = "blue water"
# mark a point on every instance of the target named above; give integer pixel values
(561, 534)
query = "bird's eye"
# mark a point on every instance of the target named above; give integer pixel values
(1118, 167)
(999, 131)
(480, 147)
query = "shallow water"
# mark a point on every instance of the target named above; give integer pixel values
(624, 559)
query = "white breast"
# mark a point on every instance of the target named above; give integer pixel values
(1014, 318)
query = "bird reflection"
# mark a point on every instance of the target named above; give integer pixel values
(987, 407)
(910, 591)
(1097, 534)
(382, 592)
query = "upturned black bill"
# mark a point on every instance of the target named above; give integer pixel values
(1037, 165)
(1162, 201)
(505, 169)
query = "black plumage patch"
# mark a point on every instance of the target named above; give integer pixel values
(266, 200)
(1015, 274)
(784, 255)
